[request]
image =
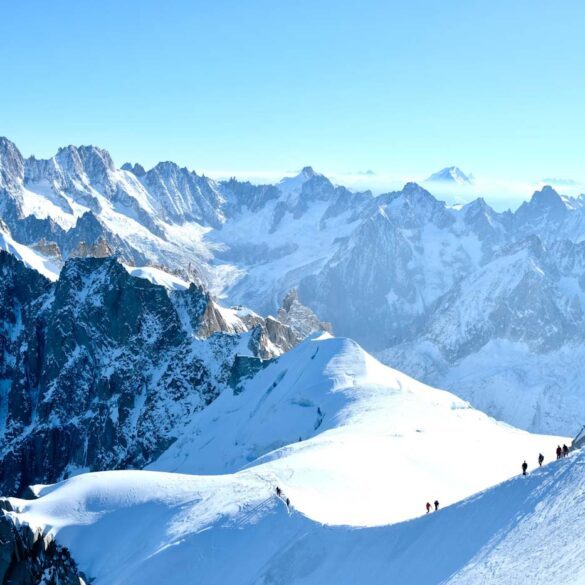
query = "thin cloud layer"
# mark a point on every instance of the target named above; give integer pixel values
(500, 193)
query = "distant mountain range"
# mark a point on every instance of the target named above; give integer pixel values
(489, 305)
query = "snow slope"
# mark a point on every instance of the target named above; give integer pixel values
(157, 276)
(365, 428)
(28, 256)
(376, 445)
(140, 527)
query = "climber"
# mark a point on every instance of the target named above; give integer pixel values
(278, 491)
(524, 468)
(559, 452)
(288, 503)
(565, 450)
(436, 505)
(540, 460)
(428, 507)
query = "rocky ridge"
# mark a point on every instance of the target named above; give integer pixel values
(102, 369)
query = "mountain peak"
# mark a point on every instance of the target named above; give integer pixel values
(478, 205)
(135, 169)
(419, 195)
(544, 203)
(308, 172)
(11, 164)
(5, 143)
(90, 159)
(305, 173)
(167, 167)
(294, 185)
(413, 206)
(411, 187)
(450, 175)
(547, 196)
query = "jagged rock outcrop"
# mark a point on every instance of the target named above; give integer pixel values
(29, 557)
(102, 369)
(240, 195)
(181, 195)
(136, 168)
(99, 249)
(11, 165)
(271, 336)
(88, 231)
(300, 318)
(30, 230)
(49, 250)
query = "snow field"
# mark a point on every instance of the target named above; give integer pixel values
(382, 446)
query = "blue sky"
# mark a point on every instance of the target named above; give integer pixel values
(402, 88)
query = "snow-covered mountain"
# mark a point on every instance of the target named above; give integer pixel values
(509, 337)
(352, 444)
(450, 175)
(117, 355)
(395, 272)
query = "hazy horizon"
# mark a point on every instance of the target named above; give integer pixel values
(499, 193)
(259, 89)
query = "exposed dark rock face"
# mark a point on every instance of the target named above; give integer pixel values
(101, 370)
(31, 229)
(245, 367)
(97, 371)
(241, 195)
(90, 232)
(29, 557)
(136, 168)
(88, 237)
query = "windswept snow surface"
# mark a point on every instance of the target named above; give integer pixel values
(376, 446)
(364, 429)
(158, 276)
(143, 527)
